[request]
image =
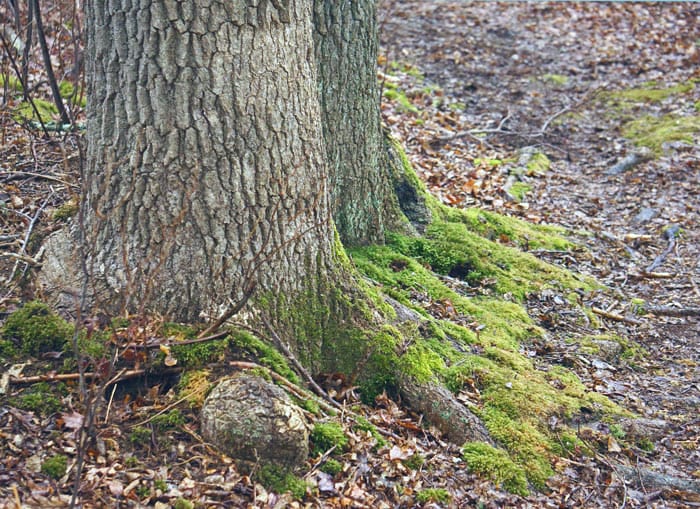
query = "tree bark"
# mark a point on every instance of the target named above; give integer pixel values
(346, 45)
(205, 159)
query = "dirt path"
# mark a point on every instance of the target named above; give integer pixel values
(537, 75)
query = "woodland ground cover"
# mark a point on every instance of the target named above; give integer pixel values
(520, 109)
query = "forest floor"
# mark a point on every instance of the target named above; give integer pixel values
(476, 87)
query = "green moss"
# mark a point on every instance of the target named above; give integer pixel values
(617, 432)
(496, 465)
(280, 481)
(646, 444)
(414, 462)
(362, 424)
(25, 112)
(160, 484)
(140, 435)
(41, 398)
(11, 82)
(398, 96)
(649, 93)
(653, 132)
(326, 435)
(171, 419)
(7, 349)
(182, 503)
(196, 355)
(519, 190)
(332, 467)
(556, 79)
(435, 495)
(538, 164)
(263, 353)
(67, 210)
(35, 329)
(69, 92)
(55, 466)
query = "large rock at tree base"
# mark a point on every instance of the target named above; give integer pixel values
(254, 421)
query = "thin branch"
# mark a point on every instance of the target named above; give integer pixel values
(285, 350)
(47, 64)
(230, 312)
(614, 316)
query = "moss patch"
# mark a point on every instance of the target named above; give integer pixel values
(326, 435)
(650, 92)
(280, 481)
(55, 466)
(653, 132)
(495, 464)
(35, 329)
(436, 495)
(24, 112)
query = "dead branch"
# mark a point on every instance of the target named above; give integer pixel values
(670, 235)
(614, 316)
(63, 377)
(671, 311)
(649, 478)
(231, 311)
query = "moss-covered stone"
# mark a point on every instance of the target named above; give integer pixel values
(35, 329)
(495, 464)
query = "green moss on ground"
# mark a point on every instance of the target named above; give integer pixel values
(650, 92)
(495, 464)
(11, 82)
(35, 329)
(326, 435)
(24, 112)
(519, 190)
(55, 466)
(473, 327)
(281, 481)
(435, 495)
(653, 132)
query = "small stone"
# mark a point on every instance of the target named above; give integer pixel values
(254, 421)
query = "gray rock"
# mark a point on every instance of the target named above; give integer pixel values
(254, 421)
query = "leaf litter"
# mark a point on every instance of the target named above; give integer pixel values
(478, 89)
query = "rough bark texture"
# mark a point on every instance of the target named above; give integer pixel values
(254, 421)
(346, 53)
(441, 409)
(205, 156)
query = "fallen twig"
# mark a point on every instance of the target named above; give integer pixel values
(614, 316)
(649, 478)
(235, 308)
(670, 235)
(670, 311)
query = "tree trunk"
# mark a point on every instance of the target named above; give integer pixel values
(346, 45)
(205, 159)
